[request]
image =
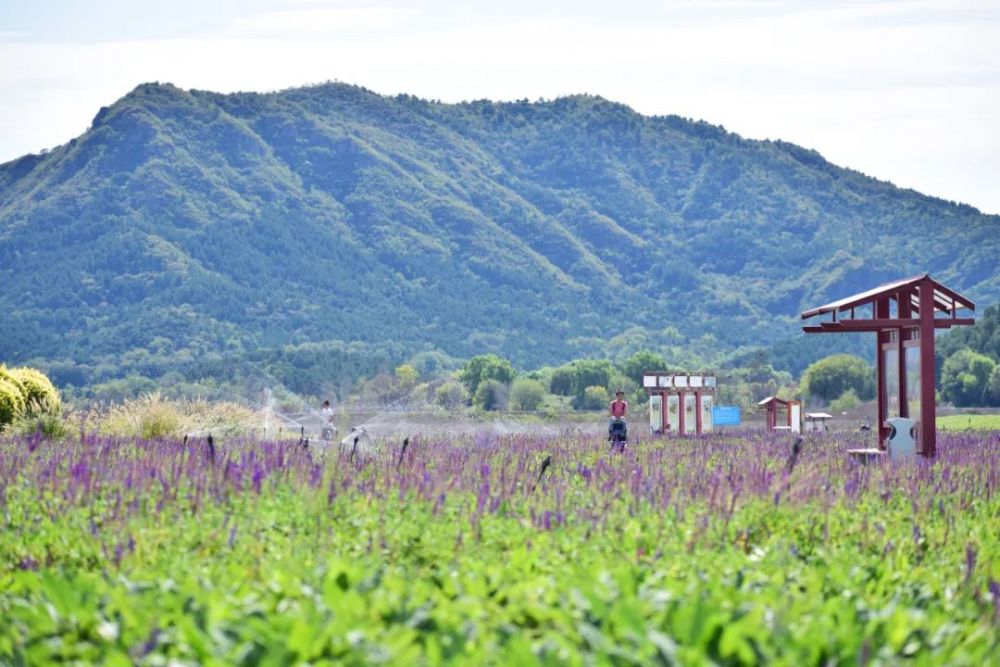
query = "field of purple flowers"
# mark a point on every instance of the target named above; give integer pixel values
(726, 549)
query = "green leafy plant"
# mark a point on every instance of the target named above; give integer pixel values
(965, 378)
(11, 402)
(526, 394)
(594, 398)
(483, 367)
(35, 420)
(830, 377)
(491, 395)
(845, 402)
(39, 393)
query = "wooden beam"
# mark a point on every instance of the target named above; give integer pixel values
(862, 326)
(960, 300)
(890, 323)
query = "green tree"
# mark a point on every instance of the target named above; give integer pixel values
(486, 367)
(845, 402)
(593, 398)
(640, 362)
(965, 377)
(490, 395)
(829, 378)
(573, 378)
(451, 395)
(561, 381)
(407, 376)
(526, 394)
(591, 373)
(993, 387)
(983, 337)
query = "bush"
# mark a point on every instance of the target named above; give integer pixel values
(845, 402)
(8, 375)
(407, 376)
(11, 402)
(526, 394)
(594, 398)
(829, 378)
(561, 381)
(50, 424)
(451, 395)
(218, 417)
(39, 393)
(486, 367)
(148, 417)
(491, 395)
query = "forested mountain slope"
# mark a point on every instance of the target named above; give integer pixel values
(185, 226)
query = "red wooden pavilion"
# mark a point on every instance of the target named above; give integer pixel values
(902, 315)
(791, 418)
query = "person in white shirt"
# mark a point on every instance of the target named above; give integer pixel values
(326, 413)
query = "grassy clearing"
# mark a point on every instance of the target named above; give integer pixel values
(969, 423)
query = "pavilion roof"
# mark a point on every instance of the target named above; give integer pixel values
(945, 299)
(773, 399)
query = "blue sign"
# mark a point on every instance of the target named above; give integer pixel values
(726, 415)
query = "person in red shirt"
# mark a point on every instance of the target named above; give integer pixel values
(618, 408)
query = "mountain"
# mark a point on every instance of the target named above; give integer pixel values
(190, 227)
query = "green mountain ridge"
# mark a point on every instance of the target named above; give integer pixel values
(186, 225)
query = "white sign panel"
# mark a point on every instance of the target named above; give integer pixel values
(655, 413)
(706, 413)
(673, 412)
(690, 425)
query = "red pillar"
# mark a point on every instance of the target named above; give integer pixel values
(903, 311)
(680, 413)
(928, 434)
(664, 413)
(881, 312)
(697, 412)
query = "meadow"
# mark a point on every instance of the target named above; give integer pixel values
(969, 422)
(727, 549)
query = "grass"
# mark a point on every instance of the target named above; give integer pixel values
(969, 423)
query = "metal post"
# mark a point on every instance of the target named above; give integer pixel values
(928, 434)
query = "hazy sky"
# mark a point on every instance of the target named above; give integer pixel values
(904, 90)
